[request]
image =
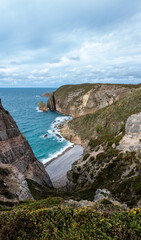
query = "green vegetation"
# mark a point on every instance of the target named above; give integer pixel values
(51, 219)
(99, 128)
(109, 121)
(86, 156)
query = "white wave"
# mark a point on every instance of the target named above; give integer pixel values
(54, 155)
(37, 108)
(62, 119)
(50, 131)
(54, 127)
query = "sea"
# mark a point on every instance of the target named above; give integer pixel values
(22, 103)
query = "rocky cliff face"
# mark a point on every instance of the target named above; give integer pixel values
(79, 100)
(112, 156)
(16, 153)
(51, 104)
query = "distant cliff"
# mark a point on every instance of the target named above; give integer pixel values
(17, 161)
(79, 100)
(106, 122)
(112, 158)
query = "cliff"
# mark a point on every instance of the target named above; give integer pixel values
(18, 160)
(79, 100)
(112, 157)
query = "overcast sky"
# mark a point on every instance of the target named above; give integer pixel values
(49, 43)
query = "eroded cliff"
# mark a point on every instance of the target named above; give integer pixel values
(109, 161)
(16, 154)
(79, 100)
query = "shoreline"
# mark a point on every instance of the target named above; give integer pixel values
(59, 155)
(58, 167)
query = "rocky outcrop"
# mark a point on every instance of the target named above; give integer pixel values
(42, 106)
(101, 194)
(47, 94)
(70, 135)
(13, 185)
(51, 104)
(112, 156)
(79, 100)
(16, 152)
(132, 139)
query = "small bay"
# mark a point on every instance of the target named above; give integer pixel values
(22, 103)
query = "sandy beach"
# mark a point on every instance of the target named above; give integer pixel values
(57, 168)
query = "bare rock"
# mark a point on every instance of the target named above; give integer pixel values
(132, 139)
(101, 194)
(16, 151)
(42, 107)
(13, 185)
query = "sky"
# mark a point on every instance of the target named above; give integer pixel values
(49, 43)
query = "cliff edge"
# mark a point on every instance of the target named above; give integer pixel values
(17, 160)
(79, 100)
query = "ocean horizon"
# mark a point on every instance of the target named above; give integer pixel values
(22, 104)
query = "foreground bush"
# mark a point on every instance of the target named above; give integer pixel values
(63, 223)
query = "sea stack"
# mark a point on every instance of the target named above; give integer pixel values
(42, 106)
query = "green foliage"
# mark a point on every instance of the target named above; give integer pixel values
(33, 222)
(86, 156)
(112, 118)
(75, 177)
(99, 128)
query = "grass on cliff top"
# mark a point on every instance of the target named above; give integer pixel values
(64, 90)
(108, 119)
(49, 219)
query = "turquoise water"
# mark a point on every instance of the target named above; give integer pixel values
(34, 124)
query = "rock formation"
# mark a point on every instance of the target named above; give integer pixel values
(42, 106)
(13, 185)
(47, 94)
(16, 154)
(132, 139)
(79, 100)
(51, 102)
(112, 155)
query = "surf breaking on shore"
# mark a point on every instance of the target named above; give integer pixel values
(55, 132)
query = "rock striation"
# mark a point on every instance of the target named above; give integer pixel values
(16, 154)
(51, 102)
(79, 100)
(112, 151)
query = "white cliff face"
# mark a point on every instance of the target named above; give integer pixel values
(132, 139)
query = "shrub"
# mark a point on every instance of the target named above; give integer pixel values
(86, 156)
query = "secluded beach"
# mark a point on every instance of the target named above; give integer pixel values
(58, 167)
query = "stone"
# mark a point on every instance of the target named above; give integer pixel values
(16, 152)
(101, 194)
(131, 141)
(57, 135)
(42, 106)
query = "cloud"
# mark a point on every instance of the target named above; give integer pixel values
(51, 43)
